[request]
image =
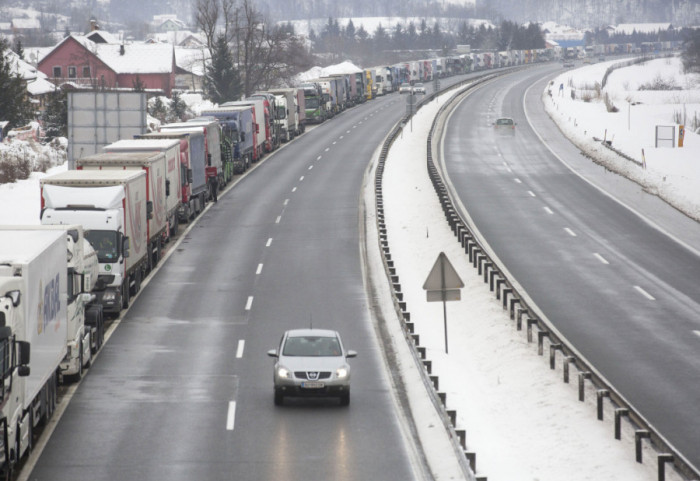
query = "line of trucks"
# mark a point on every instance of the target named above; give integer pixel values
(104, 226)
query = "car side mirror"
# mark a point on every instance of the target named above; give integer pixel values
(351, 354)
(272, 353)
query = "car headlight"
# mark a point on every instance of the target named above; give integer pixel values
(341, 372)
(284, 373)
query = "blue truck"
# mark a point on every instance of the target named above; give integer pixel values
(238, 124)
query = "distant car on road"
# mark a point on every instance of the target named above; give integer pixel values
(568, 64)
(601, 59)
(311, 363)
(505, 125)
(405, 88)
(418, 88)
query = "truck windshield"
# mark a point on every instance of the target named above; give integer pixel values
(105, 243)
(311, 102)
(281, 112)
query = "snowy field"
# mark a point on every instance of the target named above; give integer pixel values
(671, 173)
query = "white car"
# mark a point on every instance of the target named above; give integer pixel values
(311, 363)
(405, 88)
(418, 88)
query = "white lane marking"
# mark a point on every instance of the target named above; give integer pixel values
(239, 351)
(570, 232)
(286, 201)
(249, 303)
(532, 194)
(347, 131)
(697, 333)
(231, 416)
(279, 218)
(518, 181)
(269, 242)
(334, 142)
(259, 270)
(600, 258)
(311, 167)
(301, 179)
(548, 210)
(319, 157)
(327, 149)
(341, 137)
(644, 293)
(294, 189)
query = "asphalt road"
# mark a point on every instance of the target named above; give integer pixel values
(622, 291)
(183, 388)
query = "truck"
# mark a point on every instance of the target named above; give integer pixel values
(218, 165)
(98, 117)
(262, 129)
(291, 114)
(153, 163)
(237, 124)
(171, 150)
(191, 145)
(270, 103)
(315, 105)
(84, 317)
(33, 293)
(199, 187)
(111, 206)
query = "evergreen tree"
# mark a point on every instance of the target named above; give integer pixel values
(158, 109)
(178, 107)
(18, 49)
(55, 117)
(222, 81)
(14, 106)
(691, 52)
(138, 84)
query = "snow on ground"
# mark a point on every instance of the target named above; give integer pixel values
(671, 173)
(522, 421)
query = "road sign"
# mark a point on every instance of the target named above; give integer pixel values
(443, 284)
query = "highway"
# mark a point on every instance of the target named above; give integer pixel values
(183, 388)
(622, 290)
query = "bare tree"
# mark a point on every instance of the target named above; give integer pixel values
(206, 16)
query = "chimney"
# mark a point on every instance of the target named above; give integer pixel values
(93, 25)
(121, 49)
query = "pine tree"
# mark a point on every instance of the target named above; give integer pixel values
(222, 81)
(178, 107)
(18, 49)
(14, 106)
(691, 52)
(158, 109)
(55, 117)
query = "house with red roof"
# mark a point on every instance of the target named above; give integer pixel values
(80, 62)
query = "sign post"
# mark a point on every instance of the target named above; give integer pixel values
(443, 284)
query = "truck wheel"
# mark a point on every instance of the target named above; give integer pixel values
(125, 294)
(89, 361)
(137, 283)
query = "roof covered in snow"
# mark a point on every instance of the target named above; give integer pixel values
(628, 28)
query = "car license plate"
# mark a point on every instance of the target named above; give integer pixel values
(312, 385)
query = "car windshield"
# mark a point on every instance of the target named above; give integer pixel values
(311, 103)
(504, 122)
(312, 346)
(419, 85)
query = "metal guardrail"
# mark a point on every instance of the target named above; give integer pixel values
(519, 309)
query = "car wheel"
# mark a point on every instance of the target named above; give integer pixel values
(345, 399)
(279, 397)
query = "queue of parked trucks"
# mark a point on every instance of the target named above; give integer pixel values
(105, 223)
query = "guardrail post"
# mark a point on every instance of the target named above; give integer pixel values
(498, 287)
(441, 395)
(462, 436)
(540, 342)
(472, 460)
(582, 376)
(452, 414)
(640, 434)
(492, 275)
(662, 460)
(553, 348)
(602, 393)
(428, 366)
(435, 382)
(619, 412)
(488, 268)
(530, 322)
(512, 304)
(568, 360)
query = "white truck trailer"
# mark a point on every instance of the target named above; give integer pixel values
(171, 149)
(154, 164)
(33, 293)
(85, 321)
(111, 206)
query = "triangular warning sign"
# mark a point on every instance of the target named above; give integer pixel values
(442, 276)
